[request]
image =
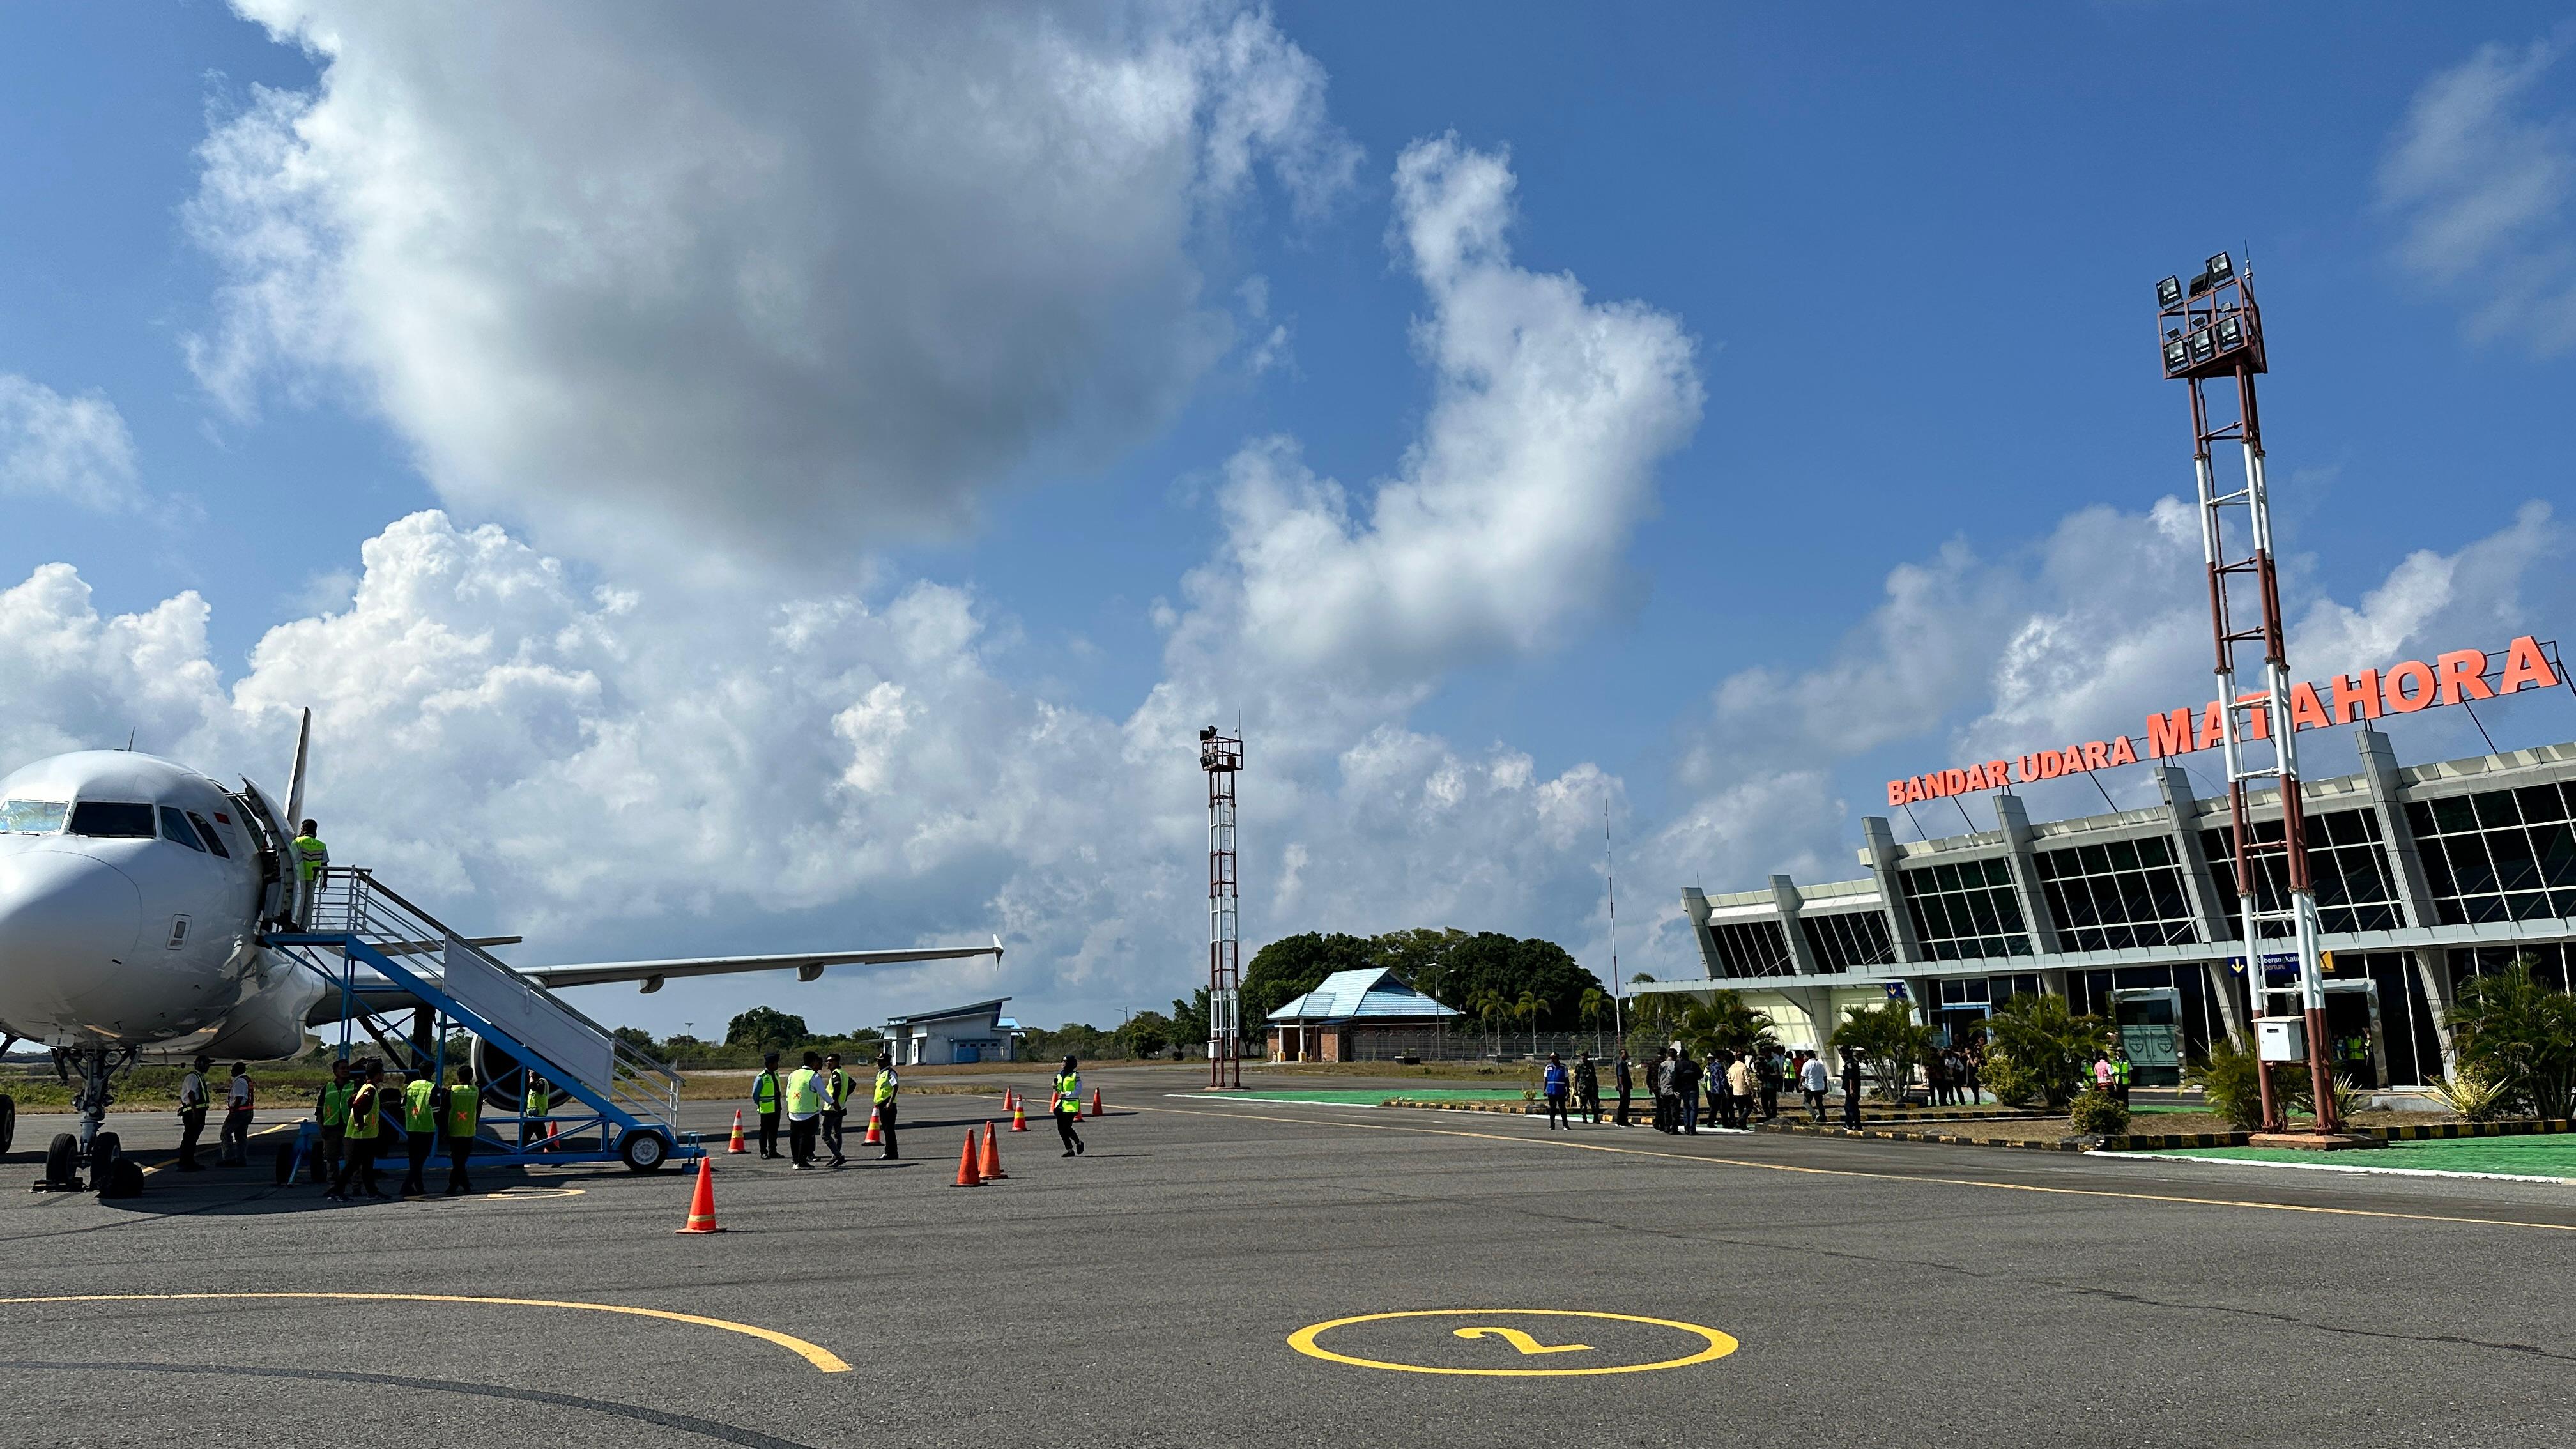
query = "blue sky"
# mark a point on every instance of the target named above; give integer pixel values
(1912, 248)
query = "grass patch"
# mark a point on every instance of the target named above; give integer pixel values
(2553, 1156)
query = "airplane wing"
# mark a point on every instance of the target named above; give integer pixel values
(807, 964)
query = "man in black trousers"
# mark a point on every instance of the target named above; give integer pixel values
(1851, 1088)
(1627, 1083)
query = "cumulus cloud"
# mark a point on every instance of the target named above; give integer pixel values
(1505, 522)
(2074, 638)
(2478, 181)
(74, 448)
(671, 281)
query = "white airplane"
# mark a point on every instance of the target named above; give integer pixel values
(133, 897)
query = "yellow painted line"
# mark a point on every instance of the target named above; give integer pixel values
(2103, 1192)
(1716, 1345)
(815, 1354)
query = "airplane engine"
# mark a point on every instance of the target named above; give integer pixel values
(271, 1023)
(496, 1068)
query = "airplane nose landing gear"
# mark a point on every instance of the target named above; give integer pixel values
(109, 1170)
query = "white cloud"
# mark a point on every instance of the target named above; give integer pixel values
(2480, 187)
(1505, 523)
(676, 282)
(74, 448)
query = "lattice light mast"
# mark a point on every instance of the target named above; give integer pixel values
(1222, 757)
(2211, 332)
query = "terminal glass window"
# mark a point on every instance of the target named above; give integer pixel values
(2506, 855)
(1963, 910)
(2345, 863)
(1752, 948)
(1853, 941)
(2115, 895)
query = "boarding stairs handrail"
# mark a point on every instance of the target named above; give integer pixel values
(370, 924)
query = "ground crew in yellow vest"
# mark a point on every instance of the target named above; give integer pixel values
(540, 1103)
(883, 1103)
(2120, 1077)
(420, 1128)
(366, 1126)
(1068, 1107)
(331, 1110)
(837, 1087)
(460, 1116)
(764, 1100)
(804, 1112)
(312, 857)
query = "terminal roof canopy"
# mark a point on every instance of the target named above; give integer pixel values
(1361, 995)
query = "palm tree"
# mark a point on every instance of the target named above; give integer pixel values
(1487, 1004)
(1592, 1004)
(1530, 1008)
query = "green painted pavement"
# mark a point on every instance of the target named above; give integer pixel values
(2553, 1156)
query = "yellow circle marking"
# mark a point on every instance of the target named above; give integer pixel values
(527, 1194)
(1719, 1345)
(815, 1354)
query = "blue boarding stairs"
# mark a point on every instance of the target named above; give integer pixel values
(386, 960)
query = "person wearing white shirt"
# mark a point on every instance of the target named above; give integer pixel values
(192, 1114)
(238, 1098)
(1813, 1080)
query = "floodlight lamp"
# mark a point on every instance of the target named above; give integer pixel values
(2202, 348)
(2168, 291)
(2231, 332)
(2219, 269)
(1208, 733)
(2177, 356)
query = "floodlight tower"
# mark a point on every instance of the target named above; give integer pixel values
(1222, 757)
(2211, 332)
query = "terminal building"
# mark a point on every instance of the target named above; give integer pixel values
(2424, 875)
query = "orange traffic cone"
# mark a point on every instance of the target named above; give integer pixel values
(1096, 1109)
(702, 1205)
(992, 1166)
(1009, 1099)
(736, 1144)
(1019, 1116)
(967, 1176)
(876, 1135)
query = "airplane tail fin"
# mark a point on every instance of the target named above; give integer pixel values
(295, 781)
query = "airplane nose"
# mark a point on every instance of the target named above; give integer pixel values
(65, 921)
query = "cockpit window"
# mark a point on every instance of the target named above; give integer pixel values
(175, 826)
(112, 820)
(31, 817)
(214, 837)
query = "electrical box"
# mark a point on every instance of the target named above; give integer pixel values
(2282, 1039)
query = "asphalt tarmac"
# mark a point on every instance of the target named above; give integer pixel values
(1803, 1290)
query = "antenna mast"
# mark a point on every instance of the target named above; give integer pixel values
(1610, 870)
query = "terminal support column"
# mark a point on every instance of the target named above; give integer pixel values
(1878, 852)
(2035, 914)
(2209, 917)
(2405, 862)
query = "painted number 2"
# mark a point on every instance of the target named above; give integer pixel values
(1522, 1341)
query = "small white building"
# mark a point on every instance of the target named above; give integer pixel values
(977, 1033)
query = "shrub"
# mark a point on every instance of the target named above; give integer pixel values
(2011, 1085)
(2052, 1047)
(2099, 1114)
(1889, 1040)
(2521, 1033)
(2475, 1092)
(2230, 1077)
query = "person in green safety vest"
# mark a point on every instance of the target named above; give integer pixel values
(804, 1112)
(887, 1086)
(312, 858)
(331, 1111)
(2120, 1070)
(1068, 1106)
(540, 1102)
(764, 1100)
(366, 1126)
(837, 1087)
(460, 1117)
(420, 1128)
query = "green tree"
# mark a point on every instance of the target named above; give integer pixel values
(1146, 1034)
(1723, 1023)
(1190, 1020)
(766, 1028)
(1527, 1008)
(2046, 1043)
(1419, 958)
(1491, 961)
(1594, 1006)
(1889, 1041)
(1485, 1006)
(2516, 1029)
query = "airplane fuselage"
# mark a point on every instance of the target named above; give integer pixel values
(131, 895)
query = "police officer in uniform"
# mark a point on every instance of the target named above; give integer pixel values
(192, 1114)
(420, 1129)
(331, 1110)
(1068, 1107)
(887, 1086)
(312, 857)
(460, 1117)
(764, 1099)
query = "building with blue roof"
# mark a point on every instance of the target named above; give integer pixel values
(1366, 1015)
